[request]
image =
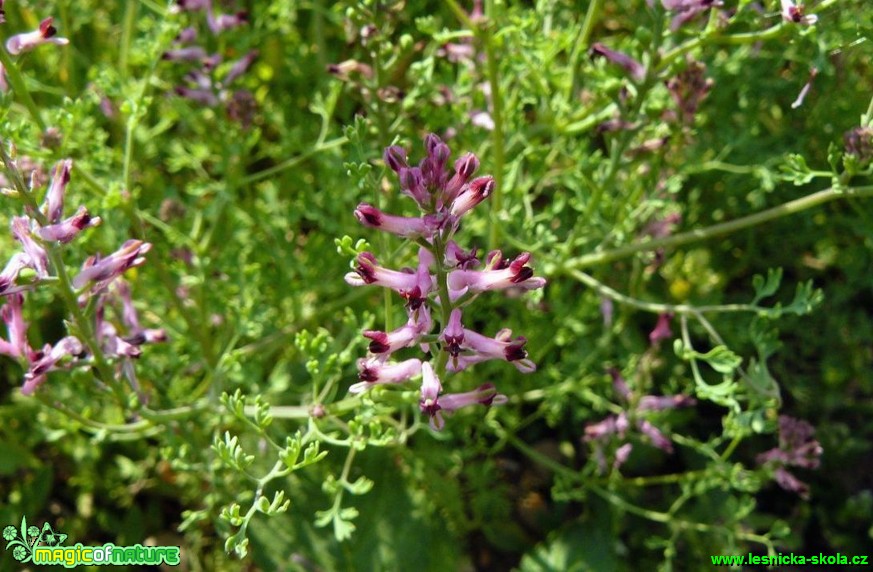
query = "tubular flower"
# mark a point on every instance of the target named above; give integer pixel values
(498, 275)
(47, 361)
(45, 34)
(634, 69)
(102, 271)
(501, 347)
(444, 269)
(16, 264)
(372, 371)
(486, 394)
(471, 195)
(54, 198)
(67, 230)
(453, 335)
(793, 13)
(368, 271)
(389, 342)
(407, 227)
(36, 255)
(16, 328)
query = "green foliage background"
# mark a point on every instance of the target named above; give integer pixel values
(247, 223)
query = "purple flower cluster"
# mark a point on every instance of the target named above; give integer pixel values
(446, 279)
(797, 448)
(36, 233)
(201, 84)
(603, 432)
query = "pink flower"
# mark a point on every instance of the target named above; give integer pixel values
(368, 271)
(389, 342)
(414, 286)
(433, 405)
(464, 169)
(662, 402)
(499, 274)
(54, 198)
(407, 227)
(617, 425)
(102, 271)
(186, 54)
(635, 69)
(453, 334)
(687, 10)
(471, 195)
(47, 361)
(36, 254)
(430, 390)
(239, 67)
(373, 371)
(433, 166)
(138, 335)
(221, 22)
(456, 257)
(29, 40)
(395, 158)
(791, 12)
(798, 448)
(501, 346)
(412, 185)
(16, 264)
(192, 5)
(16, 327)
(662, 329)
(67, 230)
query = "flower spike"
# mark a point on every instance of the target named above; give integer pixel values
(436, 288)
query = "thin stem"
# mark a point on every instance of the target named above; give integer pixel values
(137, 427)
(591, 17)
(789, 208)
(867, 119)
(715, 38)
(16, 80)
(497, 134)
(442, 274)
(292, 162)
(126, 36)
(655, 307)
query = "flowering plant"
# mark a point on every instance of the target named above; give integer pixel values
(671, 166)
(445, 281)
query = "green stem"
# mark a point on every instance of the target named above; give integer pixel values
(497, 135)
(137, 427)
(731, 39)
(484, 32)
(16, 81)
(442, 274)
(126, 36)
(789, 208)
(378, 199)
(582, 41)
(867, 118)
(655, 307)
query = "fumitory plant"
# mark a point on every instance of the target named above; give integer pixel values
(444, 283)
(693, 178)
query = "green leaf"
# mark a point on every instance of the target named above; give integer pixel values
(721, 359)
(796, 170)
(806, 298)
(764, 288)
